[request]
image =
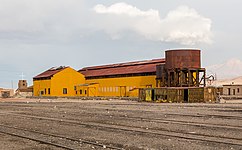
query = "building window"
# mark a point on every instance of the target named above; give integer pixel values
(74, 87)
(238, 90)
(81, 92)
(48, 90)
(85, 92)
(41, 93)
(64, 90)
(45, 91)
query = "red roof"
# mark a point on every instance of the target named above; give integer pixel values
(50, 72)
(147, 66)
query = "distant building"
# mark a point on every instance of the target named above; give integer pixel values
(60, 81)
(232, 90)
(23, 89)
(6, 93)
(22, 84)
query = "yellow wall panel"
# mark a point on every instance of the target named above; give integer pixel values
(41, 87)
(68, 79)
(123, 86)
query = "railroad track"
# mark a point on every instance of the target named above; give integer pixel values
(190, 105)
(170, 121)
(166, 120)
(180, 122)
(145, 131)
(52, 139)
(145, 111)
(158, 120)
(171, 114)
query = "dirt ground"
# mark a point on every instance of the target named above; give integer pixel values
(118, 124)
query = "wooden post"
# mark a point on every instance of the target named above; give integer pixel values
(197, 78)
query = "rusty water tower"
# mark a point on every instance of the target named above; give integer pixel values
(181, 69)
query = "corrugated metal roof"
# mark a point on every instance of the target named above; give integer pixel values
(50, 72)
(147, 66)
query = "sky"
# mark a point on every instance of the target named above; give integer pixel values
(36, 35)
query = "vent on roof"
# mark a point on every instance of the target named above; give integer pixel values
(57, 68)
(61, 67)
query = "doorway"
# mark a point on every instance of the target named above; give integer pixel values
(186, 95)
(123, 91)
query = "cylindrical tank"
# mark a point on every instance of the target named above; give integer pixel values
(183, 58)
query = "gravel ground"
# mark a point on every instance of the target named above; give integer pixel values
(118, 124)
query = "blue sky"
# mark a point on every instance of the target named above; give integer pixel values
(36, 35)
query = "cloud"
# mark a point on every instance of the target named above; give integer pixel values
(124, 9)
(183, 25)
(37, 16)
(48, 20)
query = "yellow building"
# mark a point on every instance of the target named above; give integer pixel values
(117, 80)
(121, 79)
(59, 81)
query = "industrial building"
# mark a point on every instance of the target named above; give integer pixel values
(60, 81)
(122, 80)
(178, 77)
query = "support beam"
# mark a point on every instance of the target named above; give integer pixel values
(197, 78)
